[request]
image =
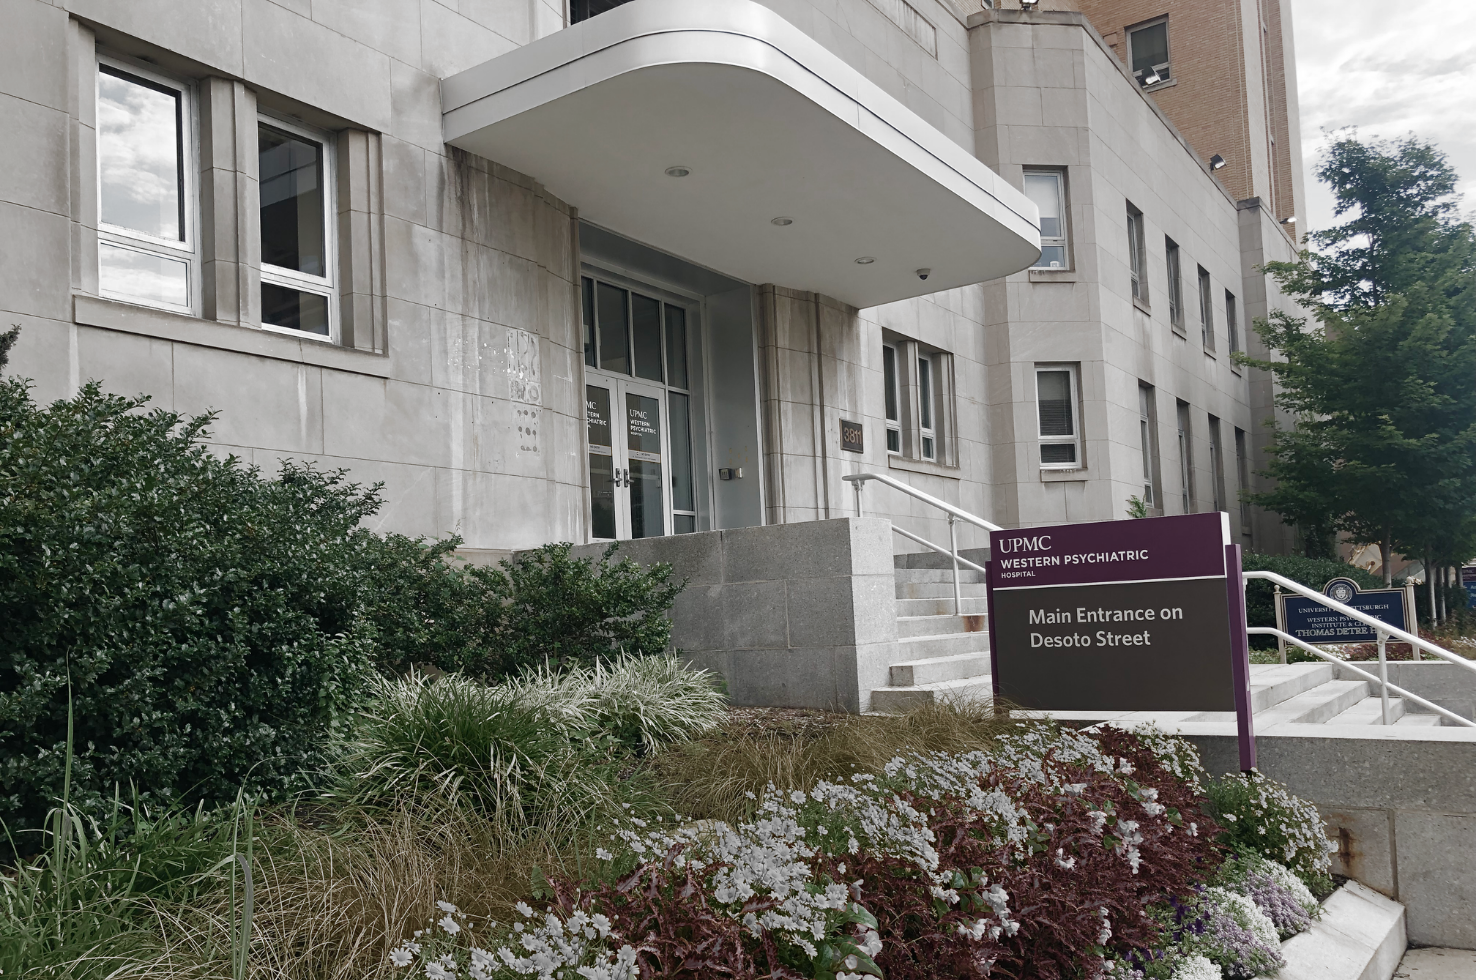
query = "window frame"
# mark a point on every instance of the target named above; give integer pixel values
(1063, 241)
(892, 391)
(1137, 255)
(1173, 260)
(927, 407)
(1073, 376)
(186, 249)
(1185, 423)
(1148, 441)
(1242, 478)
(1217, 465)
(1232, 322)
(1206, 310)
(1165, 76)
(275, 275)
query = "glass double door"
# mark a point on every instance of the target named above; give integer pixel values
(629, 459)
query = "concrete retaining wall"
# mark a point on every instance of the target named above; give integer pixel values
(1401, 810)
(792, 615)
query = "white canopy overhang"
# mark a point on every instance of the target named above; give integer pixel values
(769, 124)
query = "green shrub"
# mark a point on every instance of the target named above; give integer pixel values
(1314, 573)
(204, 619)
(1260, 816)
(562, 610)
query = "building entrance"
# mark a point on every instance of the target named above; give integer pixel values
(638, 410)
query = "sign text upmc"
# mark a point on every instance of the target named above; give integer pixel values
(1117, 616)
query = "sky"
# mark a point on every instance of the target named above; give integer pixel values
(1389, 69)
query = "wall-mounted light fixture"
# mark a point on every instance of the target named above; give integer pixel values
(1290, 219)
(1029, 4)
(1217, 162)
(678, 171)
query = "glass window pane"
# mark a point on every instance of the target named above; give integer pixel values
(643, 425)
(925, 391)
(676, 345)
(1044, 191)
(894, 441)
(1058, 452)
(645, 332)
(1150, 50)
(1054, 393)
(889, 378)
(130, 274)
(294, 309)
(140, 155)
(927, 448)
(614, 322)
(589, 321)
(601, 495)
(681, 453)
(597, 415)
(292, 216)
(683, 523)
(1052, 257)
(647, 517)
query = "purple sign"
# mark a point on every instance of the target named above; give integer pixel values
(1136, 615)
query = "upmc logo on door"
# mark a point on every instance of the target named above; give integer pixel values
(1117, 615)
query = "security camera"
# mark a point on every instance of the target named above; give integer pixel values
(924, 273)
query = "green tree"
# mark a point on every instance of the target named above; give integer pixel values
(1384, 447)
(7, 341)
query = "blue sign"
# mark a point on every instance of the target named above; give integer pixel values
(1308, 619)
(1471, 592)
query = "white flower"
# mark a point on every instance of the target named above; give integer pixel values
(603, 854)
(402, 957)
(524, 910)
(451, 926)
(446, 907)
(1197, 968)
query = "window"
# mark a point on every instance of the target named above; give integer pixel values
(295, 171)
(926, 413)
(893, 399)
(1186, 458)
(1136, 255)
(585, 9)
(1176, 287)
(1148, 48)
(1047, 191)
(1232, 322)
(1056, 400)
(1148, 441)
(1242, 479)
(1217, 464)
(1206, 311)
(148, 243)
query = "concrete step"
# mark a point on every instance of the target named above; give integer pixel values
(938, 590)
(937, 575)
(1271, 685)
(1411, 720)
(911, 626)
(1315, 707)
(947, 645)
(897, 700)
(1370, 711)
(1359, 936)
(913, 673)
(931, 559)
(976, 606)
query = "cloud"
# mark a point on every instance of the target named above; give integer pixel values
(1358, 65)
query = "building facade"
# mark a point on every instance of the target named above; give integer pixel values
(600, 270)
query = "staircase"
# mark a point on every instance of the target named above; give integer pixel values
(1310, 694)
(941, 655)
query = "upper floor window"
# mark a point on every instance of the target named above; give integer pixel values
(585, 9)
(1232, 322)
(927, 409)
(893, 399)
(1206, 310)
(148, 240)
(1056, 402)
(1047, 191)
(1148, 52)
(1242, 481)
(1148, 442)
(1137, 257)
(296, 173)
(1217, 464)
(1176, 286)
(1186, 457)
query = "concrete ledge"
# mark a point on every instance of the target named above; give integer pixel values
(1359, 937)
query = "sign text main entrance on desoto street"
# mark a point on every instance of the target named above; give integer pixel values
(1118, 615)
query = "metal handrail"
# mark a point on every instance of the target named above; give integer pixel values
(939, 549)
(955, 514)
(1393, 632)
(1384, 685)
(857, 479)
